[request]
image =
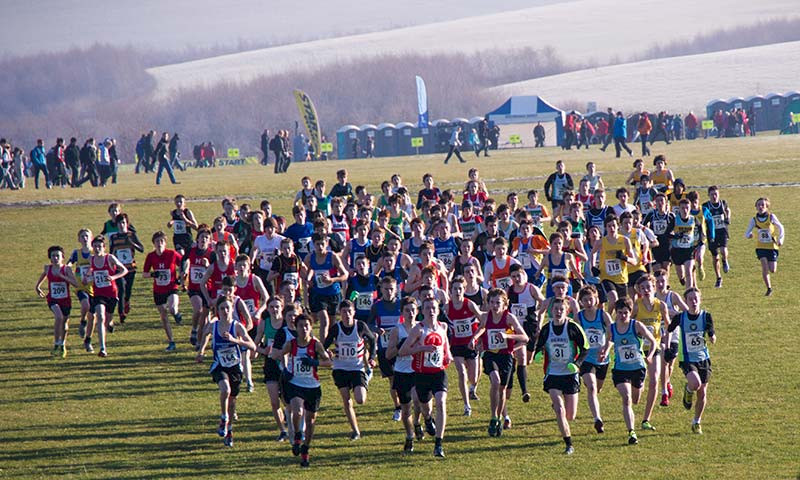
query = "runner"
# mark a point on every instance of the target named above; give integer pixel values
(357, 246)
(265, 249)
(427, 343)
(500, 330)
(227, 337)
(675, 305)
(326, 273)
(629, 365)
(564, 351)
(635, 177)
(462, 316)
(251, 290)
(105, 269)
(271, 323)
(497, 270)
(538, 211)
(80, 262)
(303, 391)
(195, 265)
(695, 325)
(403, 379)
(614, 253)
(653, 314)
(211, 283)
(124, 244)
(287, 268)
(596, 323)
(524, 298)
(769, 239)
(558, 264)
(385, 316)
(662, 176)
(682, 244)
(161, 265)
(593, 179)
(355, 357)
(59, 278)
(704, 232)
(721, 213)
(662, 222)
(182, 222)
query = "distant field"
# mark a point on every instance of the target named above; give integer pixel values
(582, 31)
(678, 84)
(142, 413)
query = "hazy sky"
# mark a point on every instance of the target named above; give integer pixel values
(54, 25)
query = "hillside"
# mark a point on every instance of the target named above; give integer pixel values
(575, 29)
(677, 84)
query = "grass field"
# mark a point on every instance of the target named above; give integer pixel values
(142, 413)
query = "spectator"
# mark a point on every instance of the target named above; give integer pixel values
(39, 160)
(286, 154)
(475, 142)
(72, 158)
(276, 147)
(587, 132)
(104, 161)
(114, 158)
(174, 153)
(355, 147)
(19, 166)
(644, 126)
(210, 155)
(620, 135)
(265, 141)
(751, 120)
(677, 127)
(455, 142)
(660, 128)
(88, 158)
(141, 161)
(691, 124)
(569, 131)
(610, 120)
(370, 147)
(149, 152)
(538, 135)
(7, 165)
(162, 156)
(483, 136)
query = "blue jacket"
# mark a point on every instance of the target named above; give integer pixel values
(38, 155)
(620, 127)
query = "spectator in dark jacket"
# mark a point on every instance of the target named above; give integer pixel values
(538, 135)
(265, 140)
(162, 156)
(112, 153)
(88, 157)
(174, 154)
(141, 161)
(610, 118)
(72, 158)
(150, 151)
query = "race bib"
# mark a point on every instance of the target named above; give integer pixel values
(525, 259)
(646, 342)
(435, 358)
(629, 354)
(83, 271)
(447, 259)
(659, 227)
(520, 310)
(251, 306)
(291, 277)
(101, 278)
(163, 277)
(613, 267)
(196, 274)
(364, 301)
(562, 272)
(558, 352)
(303, 242)
(179, 227)
(384, 338)
(462, 327)
(302, 371)
(58, 290)
(320, 281)
(764, 235)
(125, 255)
(347, 351)
(229, 357)
(645, 207)
(503, 283)
(685, 240)
(496, 339)
(719, 222)
(695, 342)
(596, 337)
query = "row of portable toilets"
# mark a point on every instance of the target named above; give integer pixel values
(772, 111)
(393, 140)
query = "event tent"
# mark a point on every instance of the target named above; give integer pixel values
(519, 114)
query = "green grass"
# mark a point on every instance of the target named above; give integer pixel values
(142, 413)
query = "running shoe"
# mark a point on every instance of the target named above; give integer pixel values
(473, 395)
(250, 387)
(193, 338)
(769, 292)
(726, 267)
(282, 437)
(110, 327)
(304, 455)
(687, 399)
(430, 426)
(599, 426)
(397, 414)
(296, 447)
(222, 429)
(467, 411)
(63, 351)
(88, 346)
(526, 397)
(664, 400)
(122, 318)
(669, 389)
(127, 309)
(632, 438)
(82, 330)
(646, 425)
(719, 283)
(418, 432)
(569, 450)
(682, 281)
(493, 427)
(506, 423)
(171, 347)
(408, 447)
(228, 439)
(438, 451)
(235, 416)
(55, 351)
(355, 436)
(102, 354)
(178, 319)
(696, 428)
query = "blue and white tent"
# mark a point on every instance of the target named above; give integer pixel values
(519, 114)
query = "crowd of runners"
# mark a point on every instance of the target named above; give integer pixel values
(399, 288)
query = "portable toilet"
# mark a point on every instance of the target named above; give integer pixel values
(792, 105)
(774, 108)
(474, 122)
(386, 140)
(428, 135)
(367, 130)
(344, 141)
(737, 102)
(441, 134)
(404, 133)
(714, 105)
